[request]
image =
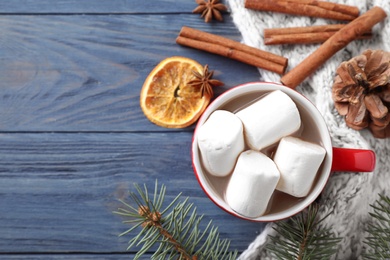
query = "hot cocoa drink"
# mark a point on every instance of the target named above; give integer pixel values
(275, 115)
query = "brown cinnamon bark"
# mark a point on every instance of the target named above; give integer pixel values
(232, 54)
(302, 38)
(303, 29)
(340, 8)
(335, 43)
(226, 47)
(304, 35)
(297, 8)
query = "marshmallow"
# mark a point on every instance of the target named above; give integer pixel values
(221, 140)
(298, 162)
(269, 119)
(252, 184)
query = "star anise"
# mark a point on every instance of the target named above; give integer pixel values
(204, 82)
(361, 92)
(210, 9)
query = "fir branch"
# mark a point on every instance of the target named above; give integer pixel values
(175, 228)
(379, 231)
(302, 238)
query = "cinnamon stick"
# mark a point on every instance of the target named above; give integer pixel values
(304, 35)
(296, 7)
(228, 48)
(303, 29)
(340, 8)
(335, 43)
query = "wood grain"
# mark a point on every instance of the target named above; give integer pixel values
(96, 7)
(84, 73)
(58, 191)
(72, 136)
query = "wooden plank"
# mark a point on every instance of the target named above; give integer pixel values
(95, 6)
(58, 191)
(84, 73)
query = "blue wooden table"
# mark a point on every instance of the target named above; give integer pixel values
(73, 138)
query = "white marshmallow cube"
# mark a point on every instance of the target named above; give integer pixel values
(252, 184)
(269, 119)
(298, 162)
(221, 140)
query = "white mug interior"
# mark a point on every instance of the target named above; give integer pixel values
(315, 130)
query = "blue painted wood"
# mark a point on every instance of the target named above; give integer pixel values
(58, 191)
(72, 136)
(97, 6)
(85, 73)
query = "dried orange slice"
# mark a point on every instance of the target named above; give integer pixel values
(167, 100)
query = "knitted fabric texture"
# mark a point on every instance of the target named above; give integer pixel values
(347, 195)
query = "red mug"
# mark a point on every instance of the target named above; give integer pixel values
(281, 205)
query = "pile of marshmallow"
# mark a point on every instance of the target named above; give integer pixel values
(231, 143)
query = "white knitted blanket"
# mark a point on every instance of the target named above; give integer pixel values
(347, 195)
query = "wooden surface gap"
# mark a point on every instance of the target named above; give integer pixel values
(73, 138)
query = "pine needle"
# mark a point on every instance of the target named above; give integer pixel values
(378, 240)
(174, 229)
(302, 237)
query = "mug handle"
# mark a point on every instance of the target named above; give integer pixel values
(353, 160)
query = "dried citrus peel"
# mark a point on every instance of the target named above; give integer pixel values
(166, 97)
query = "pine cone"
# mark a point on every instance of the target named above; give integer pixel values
(361, 92)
